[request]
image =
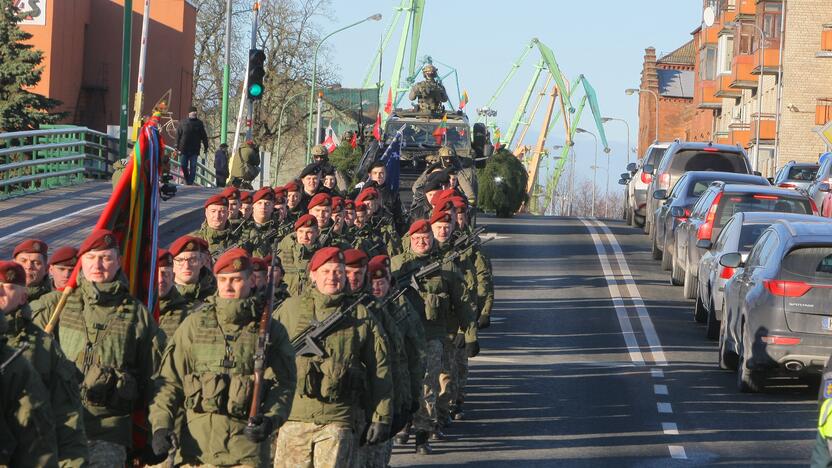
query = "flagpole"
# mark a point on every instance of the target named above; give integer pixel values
(126, 39)
(138, 101)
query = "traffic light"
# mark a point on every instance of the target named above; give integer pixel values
(256, 72)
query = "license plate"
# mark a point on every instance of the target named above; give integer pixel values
(826, 323)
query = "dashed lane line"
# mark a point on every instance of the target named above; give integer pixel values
(664, 408)
(660, 389)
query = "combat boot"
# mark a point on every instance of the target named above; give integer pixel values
(422, 445)
(403, 436)
(457, 413)
(436, 433)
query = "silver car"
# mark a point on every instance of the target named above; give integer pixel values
(635, 201)
(795, 175)
(778, 307)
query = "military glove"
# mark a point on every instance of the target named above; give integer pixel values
(259, 428)
(459, 341)
(378, 432)
(472, 349)
(162, 441)
(484, 322)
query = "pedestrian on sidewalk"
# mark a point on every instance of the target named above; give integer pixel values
(190, 134)
(221, 165)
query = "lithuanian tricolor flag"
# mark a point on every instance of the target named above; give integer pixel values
(441, 130)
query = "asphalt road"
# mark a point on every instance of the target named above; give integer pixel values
(593, 359)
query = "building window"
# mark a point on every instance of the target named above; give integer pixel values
(707, 63)
(726, 54)
(744, 39)
(769, 22)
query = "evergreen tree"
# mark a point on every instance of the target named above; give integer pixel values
(502, 184)
(345, 158)
(19, 69)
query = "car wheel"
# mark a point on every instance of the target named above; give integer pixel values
(700, 314)
(638, 220)
(727, 358)
(628, 216)
(712, 329)
(647, 225)
(675, 272)
(748, 381)
(657, 254)
(690, 284)
(667, 259)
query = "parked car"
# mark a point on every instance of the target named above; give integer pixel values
(818, 188)
(795, 175)
(635, 196)
(778, 319)
(739, 234)
(684, 195)
(714, 208)
(685, 156)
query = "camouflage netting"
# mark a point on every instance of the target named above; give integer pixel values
(502, 184)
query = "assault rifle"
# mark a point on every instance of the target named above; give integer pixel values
(262, 344)
(308, 342)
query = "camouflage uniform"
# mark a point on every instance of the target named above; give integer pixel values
(195, 294)
(367, 236)
(58, 377)
(35, 291)
(331, 238)
(430, 95)
(295, 257)
(173, 309)
(218, 240)
(110, 337)
(259, 239)
(382, 223)
(208, 369)
(27, 430)
(43, 307)
(354, 372)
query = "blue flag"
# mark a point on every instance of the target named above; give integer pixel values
(391, 159)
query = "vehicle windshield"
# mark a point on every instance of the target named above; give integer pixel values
(700, 160)
(749, 235)
(698, 188)
(806, 173)
(422, 135)
(812, 264)
(731, 204)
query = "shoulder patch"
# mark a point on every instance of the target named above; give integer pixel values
(827, 388)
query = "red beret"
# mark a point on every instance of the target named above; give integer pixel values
(443, 204)
(355, 258)
(306, 220)
(164, 258)
(263, 193)
(259, 264)
(233, 261)
(216, 200)
(11, 272)
(366, 194)
(326, 255)
(442, 196)
(204, 244)
(440, 217)
(319, 200)
(379, 266)
(292, 187)
(231, 193)
(419, 226)
(100, 239)
(187, 244)
(277, 262)
(349, 204)
(245, 197)
(337, 204)
(279, 192)
(31, 246)
(459, 203)
(66, 256)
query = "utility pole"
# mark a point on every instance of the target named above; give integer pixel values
(226, 75)
(127, 36)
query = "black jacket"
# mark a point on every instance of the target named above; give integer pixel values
(221, 162)
(189, 135)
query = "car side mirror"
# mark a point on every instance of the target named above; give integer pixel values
(677, 212)
(704, 244)
(824, 187)
(660, 194)
(770, 180)
(623, 181)
(632, 167)
(648, 169)
(731, 260)
(758, 173)
(626, 176)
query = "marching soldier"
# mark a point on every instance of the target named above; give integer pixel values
(353, 370)
(421, 207)
(232, 194)
(208, 369)
(109, 336)
(310, 179)
(216, 228)
(364, 234)
(379, 221)
(27, 427)
(281, 291)
(245, 205)
(441, 299)
(46, 357)
(191, 274)
(31, 255)
(173, 307)
(259, 234)
(390, 200)
(281, 216)
(61, 264)
(293, 200)
(349, 213)
(320, 206)
(296, 250)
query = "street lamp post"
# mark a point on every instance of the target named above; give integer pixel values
(280, 124)
(632, 91)
(376, 17)
(594, 169)
(627, 124)
(761, 56)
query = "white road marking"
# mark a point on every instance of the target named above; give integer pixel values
(657, 373)
(670, 428)
(677, 452)
(660, 389)
(617, 302)
(53, 220)
(664, 408)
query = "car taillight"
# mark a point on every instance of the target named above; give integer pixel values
(685, 217)
(646, 178)
(707, 228)
(664, 181)
(710, 149)
(766, 197)
(786, 288)
(726, 273)
(781, 340)
(814, 207)
(786, 185)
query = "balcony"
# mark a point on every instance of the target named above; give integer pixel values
(704, 95)
(739, 134)
(823, 111)
(771, 60)
(710, 35)
(723, 87)
(768, 128)
(741, 72)
(825, 41)
(745, 9)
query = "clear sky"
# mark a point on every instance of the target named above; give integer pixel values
(603, 39)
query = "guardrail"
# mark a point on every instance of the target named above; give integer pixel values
(37, 160)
